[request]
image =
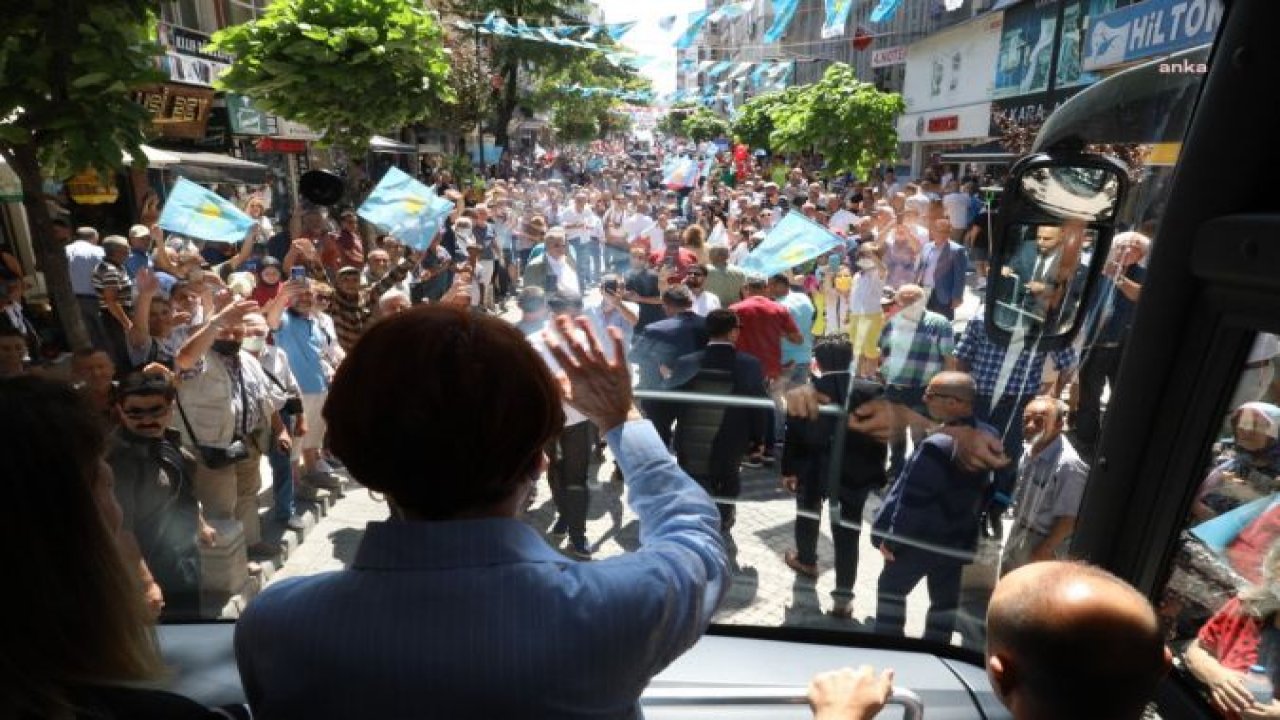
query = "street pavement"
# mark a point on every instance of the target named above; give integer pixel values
(764, 592)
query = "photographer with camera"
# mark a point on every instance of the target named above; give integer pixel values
(225, 401)
(289, 424)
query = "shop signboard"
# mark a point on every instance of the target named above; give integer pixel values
(1029, 109)
(245, 118)
(885, 57)
(187, 58)
(1155, 27)
(959, 123)
(290, 130)
(177, 111)
(1026, 49)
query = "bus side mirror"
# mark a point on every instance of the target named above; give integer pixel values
(1057, 217)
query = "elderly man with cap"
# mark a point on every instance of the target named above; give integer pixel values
(353, 306)
(139, 250)
(115, 298)
(84, 254)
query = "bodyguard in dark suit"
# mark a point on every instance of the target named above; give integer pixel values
(943, 265)
(710, 439)
(14, 317)
(927, 528)
(660, 345)
(805, 471)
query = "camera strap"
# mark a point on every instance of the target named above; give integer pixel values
(187, 423)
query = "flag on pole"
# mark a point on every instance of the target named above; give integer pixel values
(884, 10)
(837, 17)
(783, 12)
(405, 207)
(197, 212)
(794, 240)
(681, 173)
(696, 21)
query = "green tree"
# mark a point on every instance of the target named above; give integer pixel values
(581, 116)
(67, 68)
(349, 68)
(851, 123)
(672, 123)
(754, 122)
(471, 99)
(515, 60)
(703, 125)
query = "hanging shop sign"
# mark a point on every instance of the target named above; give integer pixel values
(177, 111)
(187, 58)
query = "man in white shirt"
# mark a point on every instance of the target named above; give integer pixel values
(842, 219)
(917, 201)
(956, 204)
(579, 224)
(83, 256)
(636, 223)
(554, 270)
(656, 234)
(703, 302)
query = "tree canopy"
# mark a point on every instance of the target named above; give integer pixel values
(584, 116)
(754, 122)
(851, 123)
(349, 68)
(702, 125)
(673, 122)
(67, 68)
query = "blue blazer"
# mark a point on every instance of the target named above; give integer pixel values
(948, 274)
(666, 341)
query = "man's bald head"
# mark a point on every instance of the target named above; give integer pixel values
(1067, 640)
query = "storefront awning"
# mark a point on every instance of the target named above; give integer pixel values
(989, 152)
(204, 167)
(156, 157)
(381, 144)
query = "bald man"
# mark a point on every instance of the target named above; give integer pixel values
(1064, 641)
(928, 527)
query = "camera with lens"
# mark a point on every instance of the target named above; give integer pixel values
(216, 458)
(293, 405)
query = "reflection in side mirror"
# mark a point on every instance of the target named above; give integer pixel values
(1041, 284)
(1057, 219)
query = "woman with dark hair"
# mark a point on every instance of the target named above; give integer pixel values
(78, 631)
(455, 607)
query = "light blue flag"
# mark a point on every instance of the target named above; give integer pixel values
(837, 17)
(884, 10)
(719, 68)
(758, 74)
(783, 12)
(793, 241)
(696, 21)
(406, 208)
(193, 211)
(682, 173)
(617, 30)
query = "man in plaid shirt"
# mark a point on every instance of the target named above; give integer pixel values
(1006, 383)
(915, 345)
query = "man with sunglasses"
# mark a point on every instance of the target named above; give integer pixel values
(154, 484)
(928, 527)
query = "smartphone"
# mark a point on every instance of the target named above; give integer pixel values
(298, 274)
(670, 258)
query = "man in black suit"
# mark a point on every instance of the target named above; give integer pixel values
(712, 439)
(13, 316)
(660, 345)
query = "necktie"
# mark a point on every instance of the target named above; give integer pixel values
(1037, 274)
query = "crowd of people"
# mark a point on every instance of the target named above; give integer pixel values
(206, 358)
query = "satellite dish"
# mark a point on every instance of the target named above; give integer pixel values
(321, 187)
